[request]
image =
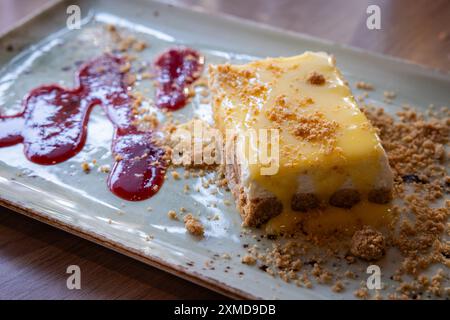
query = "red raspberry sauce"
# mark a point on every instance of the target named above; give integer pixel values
(53, 123)
(176, 70)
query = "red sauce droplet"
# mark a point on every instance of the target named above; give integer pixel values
(176, 70)
(53, 123)
(139, 172)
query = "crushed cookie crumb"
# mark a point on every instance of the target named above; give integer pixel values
(247, 259)
(361, 293)
(172, 215)
(106, 168)
(368, 244)
(315, 78)
(193, 225)
(226, 256)
(175, 175)
(85, 167)
(389, 95)
(364, 86)
(139, 46)
(338, 287)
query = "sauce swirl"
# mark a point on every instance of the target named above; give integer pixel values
(53, 123)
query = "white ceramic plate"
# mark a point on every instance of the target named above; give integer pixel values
(63, 196)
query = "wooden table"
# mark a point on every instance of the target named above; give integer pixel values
(34, 256)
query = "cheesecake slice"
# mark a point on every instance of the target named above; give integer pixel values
(325, 151)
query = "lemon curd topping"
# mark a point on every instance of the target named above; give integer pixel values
(325, 142)
(332, 219)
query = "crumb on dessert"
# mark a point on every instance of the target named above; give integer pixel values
(313, 127)
(315, 78)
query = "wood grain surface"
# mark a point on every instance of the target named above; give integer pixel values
(34, 256)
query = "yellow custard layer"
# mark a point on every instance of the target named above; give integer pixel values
(331, 219)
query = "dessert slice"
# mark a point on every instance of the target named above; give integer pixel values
(327, 153)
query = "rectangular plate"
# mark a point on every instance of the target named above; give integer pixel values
(65, 197)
